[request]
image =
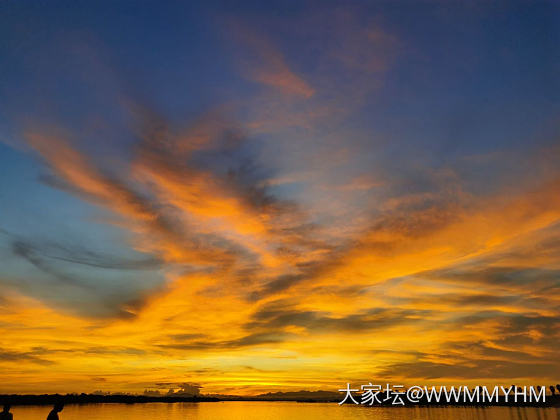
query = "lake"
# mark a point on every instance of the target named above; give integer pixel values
(263, 410)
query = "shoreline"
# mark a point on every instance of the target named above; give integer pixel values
(86, 399)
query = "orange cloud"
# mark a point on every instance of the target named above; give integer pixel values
(265, 64)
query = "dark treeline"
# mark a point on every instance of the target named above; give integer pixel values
(321, 396)
(49, 399)
(551, 401)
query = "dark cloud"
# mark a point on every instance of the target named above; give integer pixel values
(22, 357)
(479, 273)
(484, 350)
(518, 346)
(486, 300)
(254, 339)
(186, 337)
(473, 369)
(87, 282)
(305, 271)
(29, 253)
(38, 253)
(511, 330)
(40, 351)
(277, 315)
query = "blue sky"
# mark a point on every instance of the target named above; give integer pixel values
(275, 149)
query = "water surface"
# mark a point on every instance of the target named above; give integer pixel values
(263, 410)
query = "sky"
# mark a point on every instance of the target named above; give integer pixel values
(278, 196)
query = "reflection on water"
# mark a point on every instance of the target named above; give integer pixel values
(242, 410)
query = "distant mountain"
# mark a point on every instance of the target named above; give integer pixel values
(300, 396)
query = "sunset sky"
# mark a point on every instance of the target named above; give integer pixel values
(275, 196)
